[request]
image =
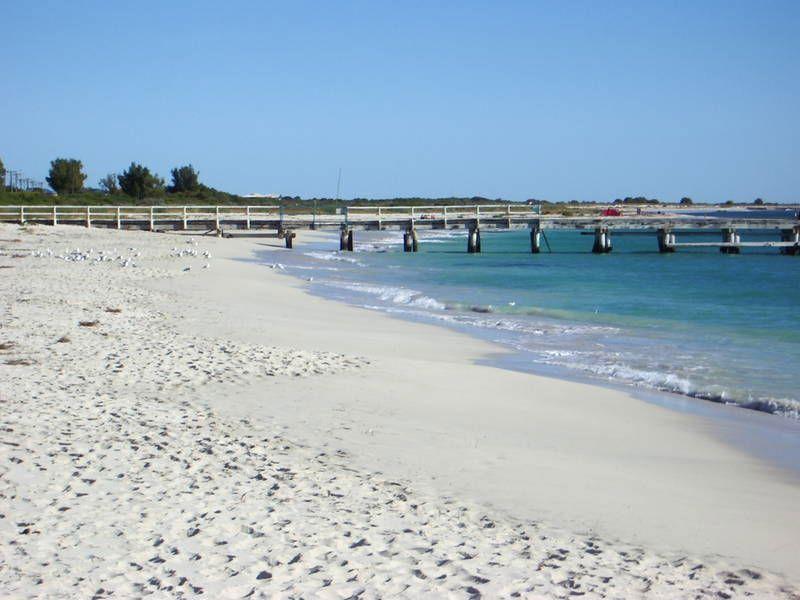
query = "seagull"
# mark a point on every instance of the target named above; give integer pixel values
(187, 268)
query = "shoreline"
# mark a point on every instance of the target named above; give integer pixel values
(410, 298)
(408, 401)
(745, 428)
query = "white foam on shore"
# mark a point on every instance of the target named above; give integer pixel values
(393, 294)
(334, 256)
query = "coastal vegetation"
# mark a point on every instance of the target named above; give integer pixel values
(66, 176)
(184, 179)
(138, 182)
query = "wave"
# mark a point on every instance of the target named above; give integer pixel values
(334, 257)
(670, 382)
(393, 294)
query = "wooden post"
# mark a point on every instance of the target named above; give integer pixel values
(247, 217)
(343, 239)
(380, 220)
(216, 217)
(55, 215)
(185, 219)
(445, 217)
(22, 215)
(350, 240)
(536, 237)
(288, 236)
(88, 216)
(119, 219)
(152, 219)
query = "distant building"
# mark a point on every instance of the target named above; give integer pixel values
(257, 196)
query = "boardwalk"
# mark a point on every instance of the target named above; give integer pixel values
(666, 227)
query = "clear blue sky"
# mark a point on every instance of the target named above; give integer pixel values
(557, 100)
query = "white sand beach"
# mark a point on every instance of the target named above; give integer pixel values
(179, 424)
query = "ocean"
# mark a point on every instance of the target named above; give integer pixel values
(723, 328)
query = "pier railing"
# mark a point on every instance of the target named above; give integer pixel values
(439, 211)
(155, 214)
(227, 220)
(443, 213)
(124, 215)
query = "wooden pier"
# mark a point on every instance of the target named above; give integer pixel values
(667, 227)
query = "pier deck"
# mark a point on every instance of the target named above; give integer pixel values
(253, 220)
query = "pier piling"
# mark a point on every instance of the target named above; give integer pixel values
(474, 240)
(536, 238)
(342, 239)
(410, 240)
(729, 236)
(791, 236)
(602, 240)
(350, 240)
(407, 242)
(666, 240)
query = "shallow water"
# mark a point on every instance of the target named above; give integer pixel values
(699, 323)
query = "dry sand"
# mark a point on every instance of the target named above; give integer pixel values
(220, 431)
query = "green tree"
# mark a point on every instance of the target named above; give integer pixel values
(185, 179)
(758, 202)
(686, 201)
(138, 181)
(66, 175)
(2, 174)
(109, 184)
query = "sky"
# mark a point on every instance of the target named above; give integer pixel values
(584, 100)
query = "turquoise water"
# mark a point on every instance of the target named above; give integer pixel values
(720, 327)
